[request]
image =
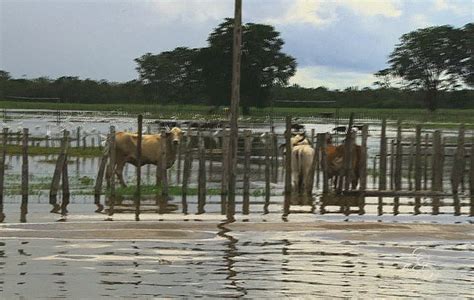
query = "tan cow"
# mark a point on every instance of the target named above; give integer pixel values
(126, 150)
(302, 173)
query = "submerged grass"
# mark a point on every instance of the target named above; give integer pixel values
(36, 150)
(188, 111)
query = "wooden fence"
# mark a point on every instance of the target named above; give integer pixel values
(408, 165)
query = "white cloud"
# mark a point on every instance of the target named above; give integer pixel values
(456, 7)
(386, 8)
(192, 11)
(308, 11)
(315, 76)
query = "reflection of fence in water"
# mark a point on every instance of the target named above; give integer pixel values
(413, 167)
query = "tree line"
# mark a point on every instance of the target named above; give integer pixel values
(430, 67)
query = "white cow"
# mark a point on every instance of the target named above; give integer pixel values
(302, 173)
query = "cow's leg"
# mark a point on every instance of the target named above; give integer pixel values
(119, 171)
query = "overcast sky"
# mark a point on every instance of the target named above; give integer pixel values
(337, 43)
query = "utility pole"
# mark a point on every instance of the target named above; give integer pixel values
(234, 109)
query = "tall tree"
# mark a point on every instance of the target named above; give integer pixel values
(263, 64)
(170, 76)
(429, 59)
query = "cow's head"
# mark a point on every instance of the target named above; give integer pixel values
(299, 139)
(174, 135)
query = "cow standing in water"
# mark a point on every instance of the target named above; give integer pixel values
(302, 173)
(126, 150)
(335, 159)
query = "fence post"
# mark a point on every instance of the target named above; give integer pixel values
(363, 168)
(111, 171)
(410, 164)
(275, 156)
(139, 168)
(2, 170)
(417, 167)
(246, 183)
(225, 172)
(57, 174)
(100, 177)
(162, 172)
(471, 180)
(324, 161)
(382, 165)
(201, 174)
(425, 163)
(78, 137)
(188, 158)
(458, 170)
(286, 204)
(392, 164)
(24, 176)
(65, 180)
(437, 180)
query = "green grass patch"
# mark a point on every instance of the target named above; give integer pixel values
(35, 150)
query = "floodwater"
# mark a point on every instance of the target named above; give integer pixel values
(87, 255)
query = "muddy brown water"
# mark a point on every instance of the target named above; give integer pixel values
(90, 256)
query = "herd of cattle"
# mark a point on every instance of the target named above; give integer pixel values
(302, 156)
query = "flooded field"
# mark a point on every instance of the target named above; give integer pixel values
(195, 255)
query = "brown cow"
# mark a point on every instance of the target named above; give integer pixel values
(335, 159)
(126, 150)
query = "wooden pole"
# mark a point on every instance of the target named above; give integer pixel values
(246, 183)
(234, 109)
(382, 165)
(417, 168)
(58, 170)
(324, 161)
(24, 176)
(163, 173)
(100, 178)
(275, 156)
(410, 164)
(437, 180)
(392, 164)
(2, 170)
(78, 137)
(267, 169)
(188, 159)
(178, 169)
(225, 170)
(458, 170)
(201, 174)
(425, 163)
(65, 183)
(287, 199)
(139, 168)
(346, 176)
(111, 171)
(363, 168)
(471, 181)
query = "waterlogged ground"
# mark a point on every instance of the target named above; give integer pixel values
(302, 258)
(307, 255)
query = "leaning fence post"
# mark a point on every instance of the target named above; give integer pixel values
(24, 176)
(2, 170)
(100, 176)
(246, 183)
(458, 170)
(57, 174)
(65, 182)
